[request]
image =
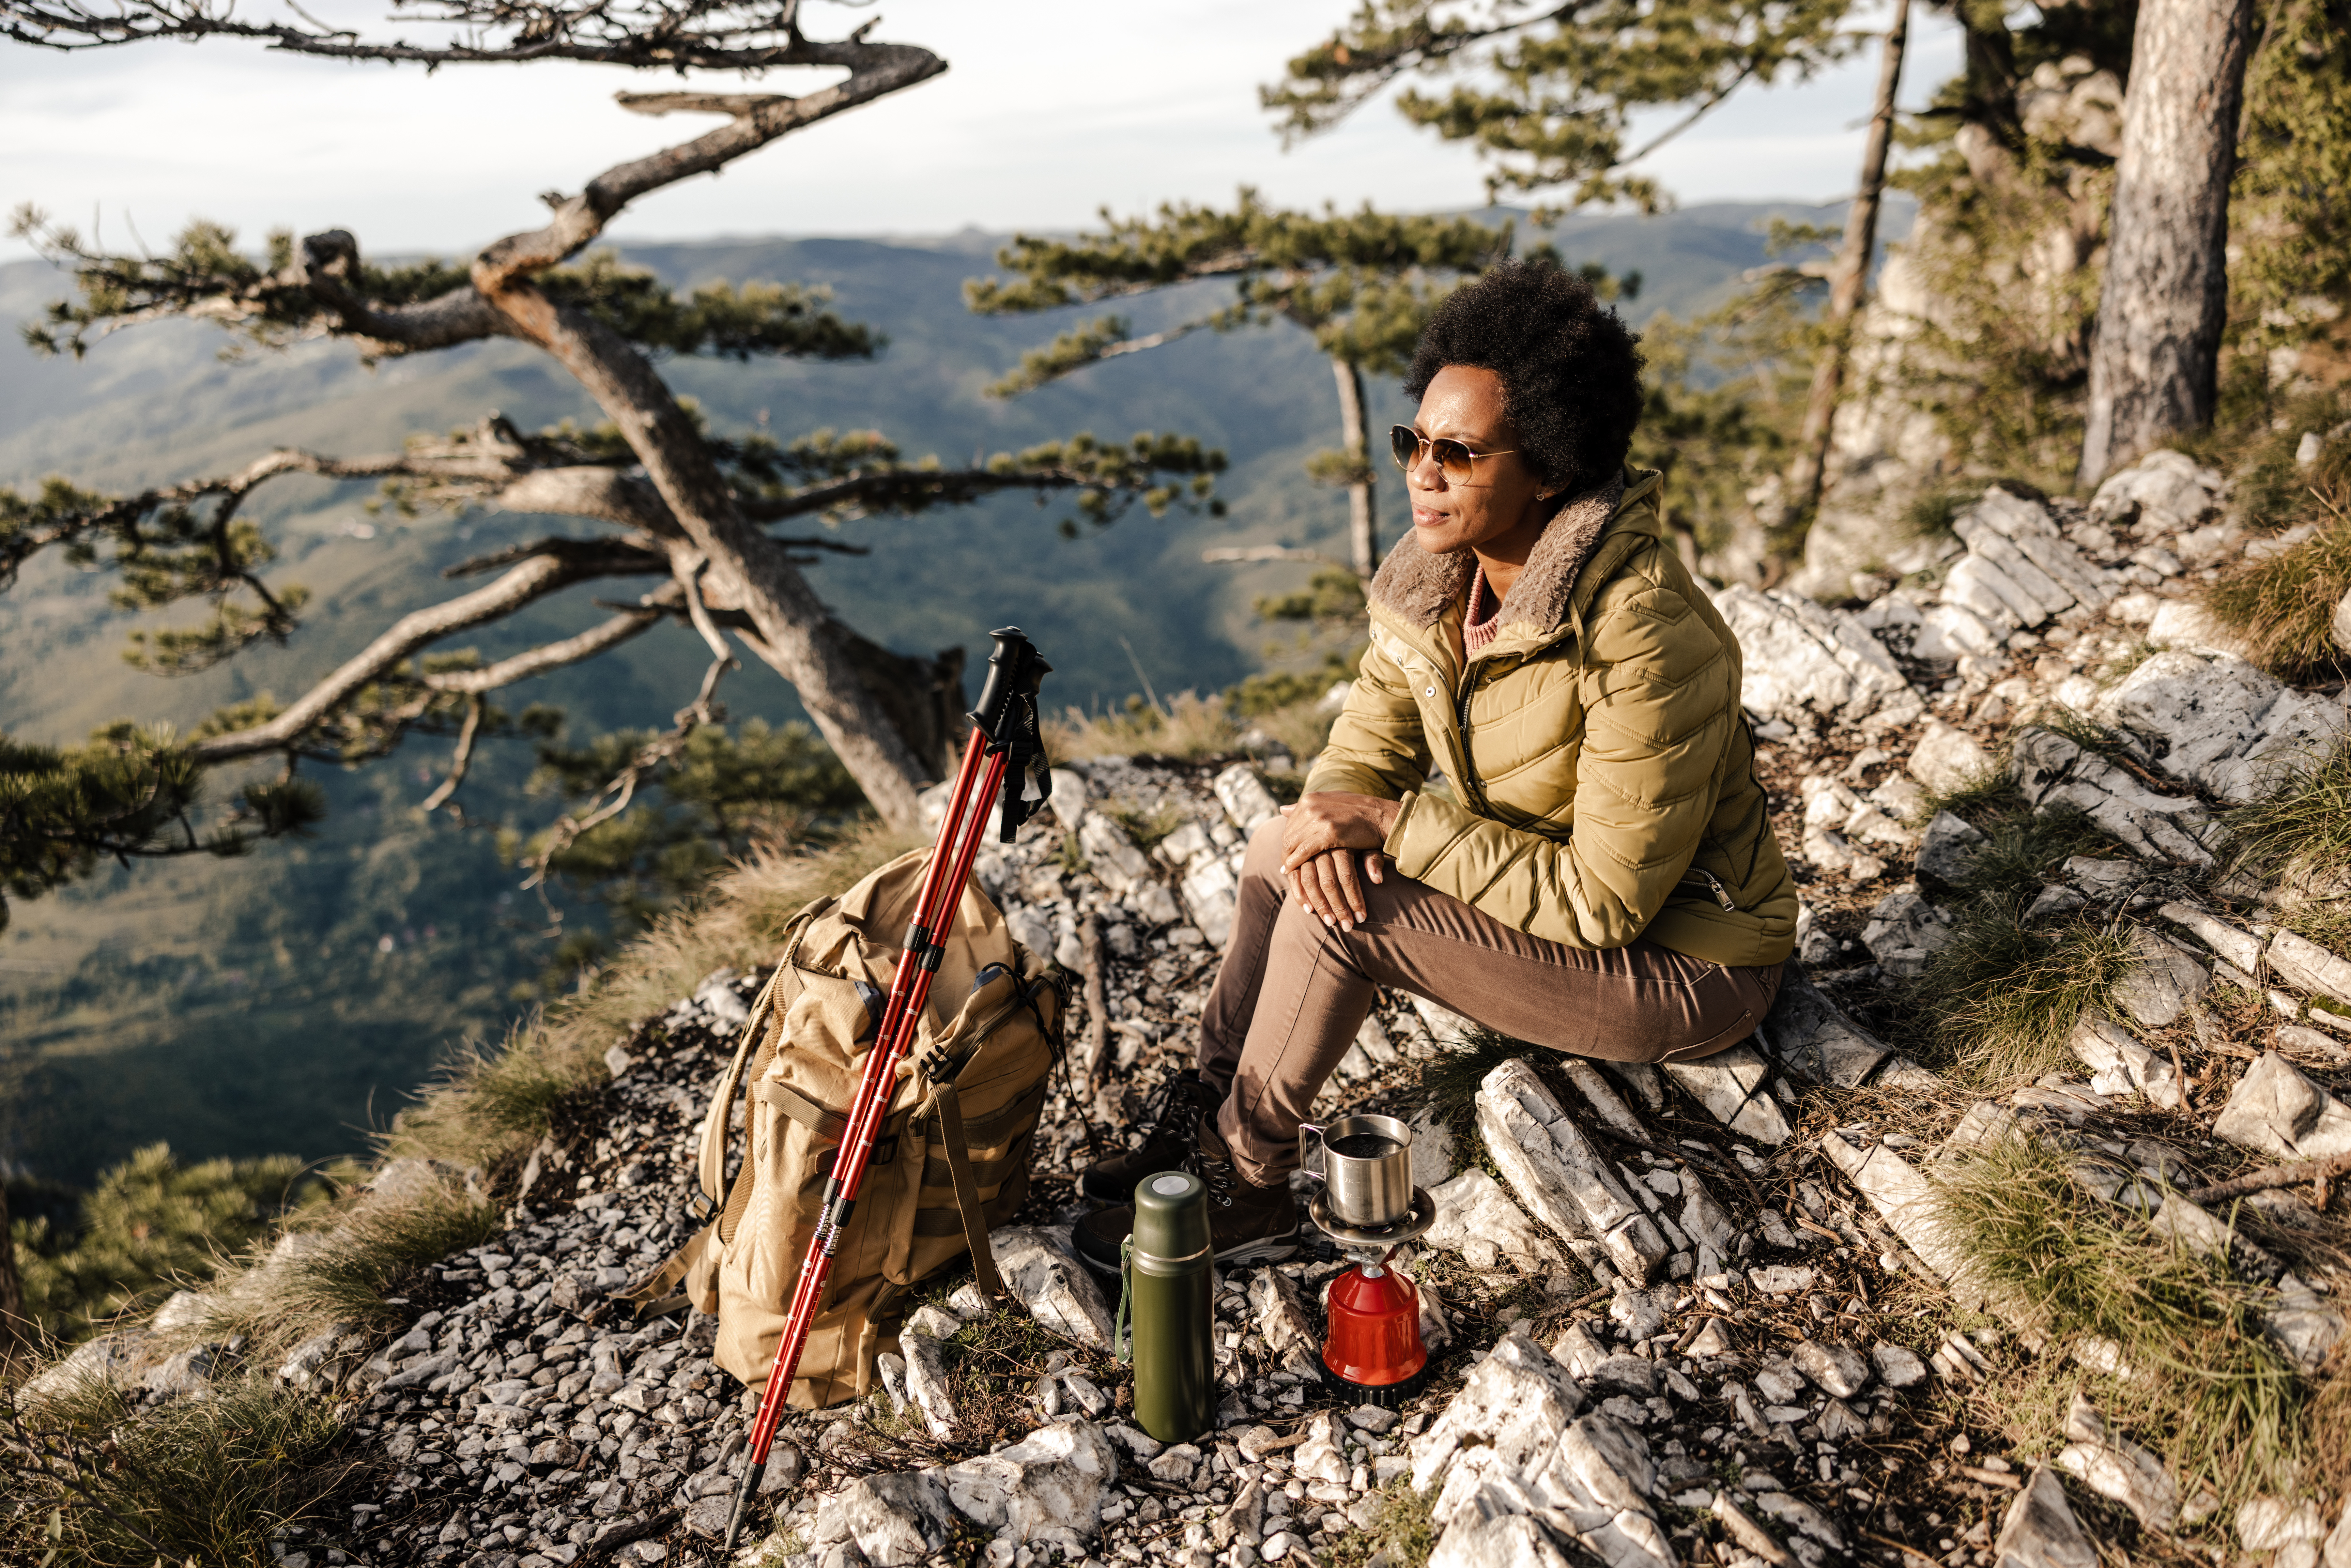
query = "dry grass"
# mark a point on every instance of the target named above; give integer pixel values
(204, 1481)
(1998, 1001)
(1188, 726)
(2211, 1395)
(2283, 607)
(1403, 1531)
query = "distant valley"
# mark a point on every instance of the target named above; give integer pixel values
(289, 1000)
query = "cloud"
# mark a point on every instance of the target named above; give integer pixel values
(1036, 124)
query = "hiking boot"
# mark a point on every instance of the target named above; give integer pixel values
(1175, 1115)
(1246, 1223)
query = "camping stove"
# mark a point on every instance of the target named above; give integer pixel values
(1372, 1353)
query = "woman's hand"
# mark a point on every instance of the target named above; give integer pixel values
(1319, 838)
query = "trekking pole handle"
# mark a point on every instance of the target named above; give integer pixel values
(1015, 669)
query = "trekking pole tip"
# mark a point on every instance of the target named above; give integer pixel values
(751, 1474)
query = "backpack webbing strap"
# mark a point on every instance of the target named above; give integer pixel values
(653, 1296)
(967, 1191)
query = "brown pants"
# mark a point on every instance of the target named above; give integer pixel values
(1293, 991)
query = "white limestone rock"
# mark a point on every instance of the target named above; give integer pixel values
(2040, 1529)
(1052, 1285)
(896, 1519)
(2276, 1110)
(1948, 758)
(2162, 982)
(2115, 1467)
(1246, 799)
(2229, 726)
(1904, 931)
(1731, 1085)
(1048, 1489)
(1558, 1175)
(1947, 850)
(2121, 1065)
(927, 1383)
(1807, 664)
(1814, 1038)
(1476, 1218)
(2167, 491)
(2050, 769)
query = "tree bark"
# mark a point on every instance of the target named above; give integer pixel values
(12, 1294)
(2155, 361)
(1362, 530)
(1849, 281)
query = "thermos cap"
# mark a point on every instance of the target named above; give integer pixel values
(1170, 1217)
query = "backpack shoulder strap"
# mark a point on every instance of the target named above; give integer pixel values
(948, 1105)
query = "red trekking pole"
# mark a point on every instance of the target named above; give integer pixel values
(1005, 747)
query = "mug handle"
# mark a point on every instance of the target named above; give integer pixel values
(1322, 1176)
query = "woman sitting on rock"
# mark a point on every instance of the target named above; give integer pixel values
(1598, 873)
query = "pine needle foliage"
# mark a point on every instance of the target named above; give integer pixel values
(2212, 1396)
(150, 1226)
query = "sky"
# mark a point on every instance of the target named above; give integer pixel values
(1050, 109)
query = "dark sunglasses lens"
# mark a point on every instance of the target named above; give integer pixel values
(1405, 444)
(1453, 460)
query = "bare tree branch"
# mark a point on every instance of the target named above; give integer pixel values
(460, 761)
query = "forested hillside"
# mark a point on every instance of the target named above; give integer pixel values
(291, 1000)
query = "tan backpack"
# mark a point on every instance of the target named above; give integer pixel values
(952, 1158)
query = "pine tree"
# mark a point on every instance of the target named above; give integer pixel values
(1361, 284)
(695, 510)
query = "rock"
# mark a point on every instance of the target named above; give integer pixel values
(182, 1374)
(2269, 1523)
(1906, 1201)
(1745, 1531)
(1838, 1370)
(1282, 1322)
(2161, 983)
(1704, 1220)
(1562, 1181)
(927, 1383)
(1246, 799)
(1711, 1343)
(1948, 851)
(1497, 1541)
(896, 1519)
(2040, 1529)
(2002, 524)
(2302, 1323)
(2050, 770)
(1731, 1085)
(1597, 1090)
(1898, 1366)
(2053, 899)
(1049, 1487)
(2117, 1468)
(1178, 1466)
(2229, 725)
(313, 1360)
(2307, 967)
(1641, 1314)
(1511, 1443)
(1322, 1456)
(1947, 758)
(1904, 932)
(1781, 1278)
(2341, 625)
(1070, 796)
(2166, 489)
(413, 1179)
(1476, 1218)
(1807, 664)
(2122, 1065)
(1807, 1519)
(2278, 1111)
(1433, 1158)
(934, 1320)
(110, 1360)
(1057, 1292)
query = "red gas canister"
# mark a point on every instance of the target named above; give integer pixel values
(1374, 1346)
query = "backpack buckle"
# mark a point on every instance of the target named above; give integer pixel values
(699, 1204)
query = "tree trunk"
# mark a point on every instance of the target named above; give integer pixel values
(797, 635)
(12, 1294)
(1845, 287)
(2155, 362)
(1363, 531)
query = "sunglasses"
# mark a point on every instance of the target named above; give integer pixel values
(1454, 460)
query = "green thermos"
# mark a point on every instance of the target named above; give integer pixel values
(1167, 1284)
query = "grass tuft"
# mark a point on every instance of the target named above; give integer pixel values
(1450, 1080)
(1997, 1002)
(2301, 831)
(1188, 726)
(2214, 1397)
(2284, 608)
(1403, 1531)
(197, 1481)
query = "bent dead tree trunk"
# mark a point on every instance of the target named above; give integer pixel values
(2154, 364)
(1847, 283)
(1362, 530)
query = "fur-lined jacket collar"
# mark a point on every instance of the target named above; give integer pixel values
(1417, 586)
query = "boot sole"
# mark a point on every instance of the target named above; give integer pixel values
(1265, 1249)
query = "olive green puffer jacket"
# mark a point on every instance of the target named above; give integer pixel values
(1602, 780)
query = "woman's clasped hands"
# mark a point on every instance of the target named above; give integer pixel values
(1321, 838)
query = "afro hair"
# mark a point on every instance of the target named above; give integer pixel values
(1571, 370)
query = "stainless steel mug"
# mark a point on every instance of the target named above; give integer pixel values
(1366, 1169)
